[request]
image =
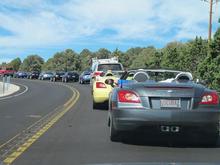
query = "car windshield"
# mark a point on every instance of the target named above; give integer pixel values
(71, 73)
(48, 73)
(87, 73)
(157, 75)
(160, 76)
(106, 67)
(60, 73)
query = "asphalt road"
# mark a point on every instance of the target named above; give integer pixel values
(81, 136)
(18, 113)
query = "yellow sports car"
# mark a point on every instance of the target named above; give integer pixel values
(102, 86)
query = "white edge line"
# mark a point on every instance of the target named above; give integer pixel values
(26, 89)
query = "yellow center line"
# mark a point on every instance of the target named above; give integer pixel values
(69, 100)
(70, 103)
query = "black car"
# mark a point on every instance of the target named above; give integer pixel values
(70, 76)
(33, 75)
(21, 74)
(57, 76)
(45, 75)
(164, 103)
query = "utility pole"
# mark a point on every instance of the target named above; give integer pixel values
(211, 3)
(210, 21)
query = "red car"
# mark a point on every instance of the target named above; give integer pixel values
(6, 71)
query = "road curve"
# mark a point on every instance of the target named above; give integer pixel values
(18, 113)
(82, 137)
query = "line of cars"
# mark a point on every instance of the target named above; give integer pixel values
(70, 76)
(159, 103)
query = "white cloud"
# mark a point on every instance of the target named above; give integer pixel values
(40, 23)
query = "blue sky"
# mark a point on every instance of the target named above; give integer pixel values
(46, 26)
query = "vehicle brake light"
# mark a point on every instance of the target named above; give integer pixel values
(97, 73)
(127, 96)
(100, 85)
(210, 98)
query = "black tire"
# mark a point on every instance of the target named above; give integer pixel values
(212, 140)
(114, 134)
(96, 105)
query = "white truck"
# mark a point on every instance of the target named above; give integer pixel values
(103, 65)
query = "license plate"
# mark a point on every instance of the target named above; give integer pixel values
(170, 103)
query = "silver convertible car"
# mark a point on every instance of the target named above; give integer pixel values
(163, 102)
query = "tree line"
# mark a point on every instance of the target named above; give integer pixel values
(198, 56)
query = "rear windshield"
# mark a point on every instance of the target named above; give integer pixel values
(87, 73)
(106, 67)
(71, 73)
(60, 73)
(49, 73)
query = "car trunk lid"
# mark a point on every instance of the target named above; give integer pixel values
(168, 95)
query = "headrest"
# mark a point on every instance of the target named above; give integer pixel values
(184, 77)
(141, 76)
(109, 73)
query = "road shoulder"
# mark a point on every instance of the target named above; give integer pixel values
(8, 89)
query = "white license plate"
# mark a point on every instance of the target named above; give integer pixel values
(175, 103)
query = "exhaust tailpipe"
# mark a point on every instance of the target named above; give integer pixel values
(175, 129)
(165, 129)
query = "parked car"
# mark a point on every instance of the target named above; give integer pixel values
(20, 74)
(7, 71)
(163, 102)
(85, 77)
(45, 75)
(33, 75)
(70, 76)
(57, 76)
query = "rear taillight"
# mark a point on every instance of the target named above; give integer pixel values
(97, 74)
(100, 85)
(126, 96)
(210, 98)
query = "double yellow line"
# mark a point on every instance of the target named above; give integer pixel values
(67, 106)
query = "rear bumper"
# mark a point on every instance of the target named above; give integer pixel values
(73, 79)
(46, 78)
(58, 78)
(153, 120)
(86, 80)
(100, 96)
(34, 76)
